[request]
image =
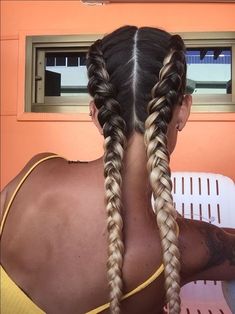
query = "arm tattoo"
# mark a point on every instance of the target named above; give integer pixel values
(220, 245)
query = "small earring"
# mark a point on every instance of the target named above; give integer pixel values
(177, 127)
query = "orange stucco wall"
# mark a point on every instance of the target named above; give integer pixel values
(207, 144)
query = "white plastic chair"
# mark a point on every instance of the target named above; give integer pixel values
(208, 197)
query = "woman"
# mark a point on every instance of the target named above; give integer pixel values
(54, 238)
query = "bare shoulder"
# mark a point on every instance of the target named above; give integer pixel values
(9, 189)
(50, 172)
(207, 251)
(34, 160)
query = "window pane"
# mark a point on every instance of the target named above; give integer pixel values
(67, 75)
(209, 70)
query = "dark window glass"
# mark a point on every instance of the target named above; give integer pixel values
(50, 61)
(60, 61)
(72, 61)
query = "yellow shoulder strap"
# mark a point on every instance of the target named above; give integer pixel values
(19, 186)
(134, 291)
(101, 308)
(145, 284)
(13, 299)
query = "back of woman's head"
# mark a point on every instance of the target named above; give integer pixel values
(133, 58)
(137, 77)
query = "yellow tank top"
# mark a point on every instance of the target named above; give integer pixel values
(15, 301)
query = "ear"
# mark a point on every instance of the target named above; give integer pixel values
(94, 115)
(184, 112)
(92, 108)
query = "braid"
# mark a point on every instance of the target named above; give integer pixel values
(165, 94)
(114, 133)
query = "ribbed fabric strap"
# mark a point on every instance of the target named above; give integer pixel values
(131, 293)
(13, 299)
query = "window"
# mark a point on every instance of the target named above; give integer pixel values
(56, 76)
(209, 70)
(210, 73)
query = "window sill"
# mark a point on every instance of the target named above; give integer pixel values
(84, 117)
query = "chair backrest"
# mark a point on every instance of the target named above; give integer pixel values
(208, 197)
(205, 196)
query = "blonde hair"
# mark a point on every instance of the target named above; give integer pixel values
(114, 144)
(160, 175)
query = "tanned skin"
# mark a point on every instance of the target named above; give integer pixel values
(217, 245)
(54, 241)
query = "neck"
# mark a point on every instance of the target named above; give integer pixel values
(135, 175)
(136, 190)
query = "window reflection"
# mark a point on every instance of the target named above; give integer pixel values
(209, 70)
(65, 74)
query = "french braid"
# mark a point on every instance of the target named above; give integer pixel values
(114, 133)
(165, 94)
